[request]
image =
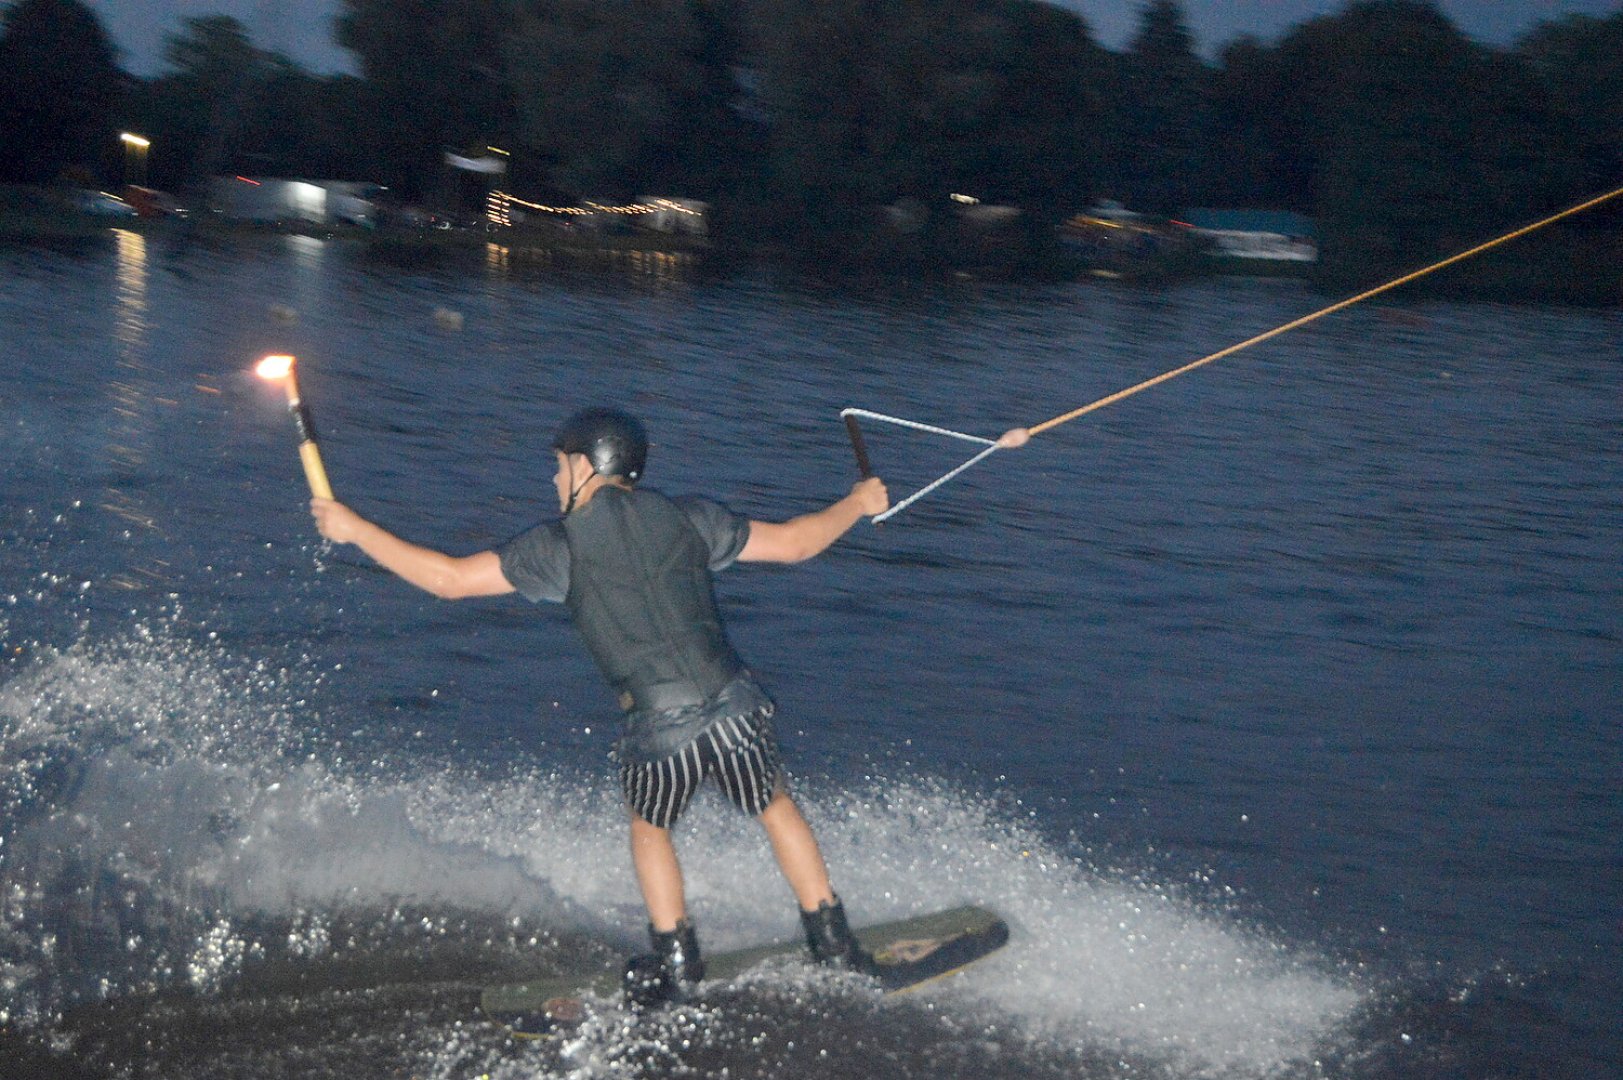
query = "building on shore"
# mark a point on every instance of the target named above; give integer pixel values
(273, 200)
(1270, 235)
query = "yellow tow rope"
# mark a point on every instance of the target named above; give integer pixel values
(1111, 399)
(1019, 436)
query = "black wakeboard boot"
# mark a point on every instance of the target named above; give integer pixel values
(670, 972)
(831, 941)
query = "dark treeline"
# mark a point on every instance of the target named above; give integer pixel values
(797, 119)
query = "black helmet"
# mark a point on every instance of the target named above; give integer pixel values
(614, 442)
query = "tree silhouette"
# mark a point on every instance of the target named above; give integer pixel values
(60, 95)
(1160, 107)
(437, 76)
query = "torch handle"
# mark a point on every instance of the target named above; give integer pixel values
(314, 471)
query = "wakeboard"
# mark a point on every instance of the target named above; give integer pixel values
(908, 953)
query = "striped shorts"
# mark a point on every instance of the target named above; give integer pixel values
(739, 752)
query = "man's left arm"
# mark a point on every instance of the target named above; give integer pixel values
(812, 534)
(448, 577)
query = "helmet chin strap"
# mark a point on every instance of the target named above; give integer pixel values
(574, 494)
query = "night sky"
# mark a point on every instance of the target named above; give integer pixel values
(302, 29)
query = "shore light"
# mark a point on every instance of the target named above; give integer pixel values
(279, 368)
(135, 157)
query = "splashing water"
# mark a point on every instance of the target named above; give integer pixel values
(168, 827)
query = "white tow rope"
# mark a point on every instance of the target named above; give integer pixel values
(989, 444)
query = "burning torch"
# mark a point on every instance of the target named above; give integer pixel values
(274, 368)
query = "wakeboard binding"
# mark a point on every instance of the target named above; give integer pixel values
(832, 944)
(669, 973)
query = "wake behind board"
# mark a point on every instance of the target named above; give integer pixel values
(909, 953)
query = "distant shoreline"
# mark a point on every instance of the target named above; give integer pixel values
(1539, 274)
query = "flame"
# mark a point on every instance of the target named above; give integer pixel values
(275, 367)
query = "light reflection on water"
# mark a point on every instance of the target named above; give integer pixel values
(657, 268)
(134, 398)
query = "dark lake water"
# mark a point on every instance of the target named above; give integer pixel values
(1277, 707)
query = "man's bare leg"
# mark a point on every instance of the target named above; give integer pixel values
(653, 854)
(798, 855)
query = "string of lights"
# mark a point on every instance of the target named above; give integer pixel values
(500, 203)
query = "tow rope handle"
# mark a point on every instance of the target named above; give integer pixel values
(860, 448)
(1013, 437)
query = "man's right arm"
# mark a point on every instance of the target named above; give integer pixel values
(811, 534)
(449, 577)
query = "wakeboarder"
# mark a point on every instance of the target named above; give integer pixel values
(634, 567)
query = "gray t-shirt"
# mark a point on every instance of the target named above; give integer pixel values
(537, 564)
